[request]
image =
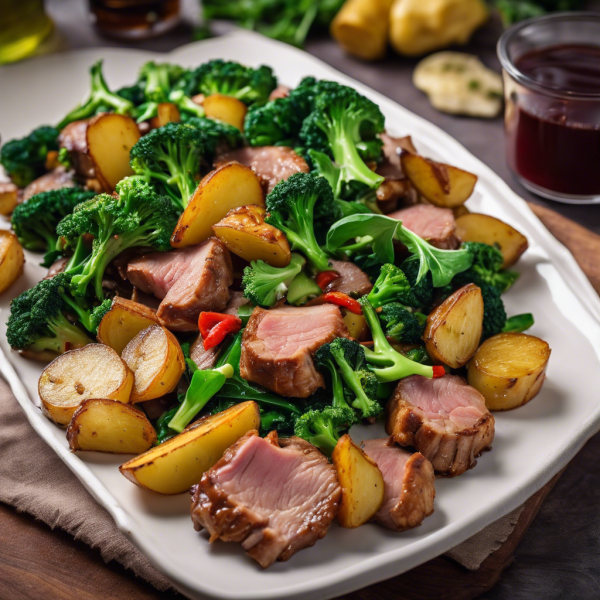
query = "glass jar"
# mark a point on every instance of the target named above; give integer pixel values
(551, 70)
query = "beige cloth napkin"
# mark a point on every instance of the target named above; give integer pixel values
(34, 480)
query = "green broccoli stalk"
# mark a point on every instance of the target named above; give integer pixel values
(137, 217)
(24, 159)
(387, 364)
(100, 99)
(518, 323)
(170, 158)
(35, 221)
(323, 428)
(264, 285)
(402, 325)
(392, 285)
(295, 206)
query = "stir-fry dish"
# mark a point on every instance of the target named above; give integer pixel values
(239, 272)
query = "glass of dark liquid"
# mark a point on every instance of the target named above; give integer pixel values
(551, 68)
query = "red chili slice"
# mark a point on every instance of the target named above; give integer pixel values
(438, 371)
(343, 300)
(324, 278)
(215, 327)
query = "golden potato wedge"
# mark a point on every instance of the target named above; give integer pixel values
(440, 184)
(9, 194)
(11, 259)
(454, 328)
(167, 112)
(109, 139)
(177, 464)
(228, 187)
(110, 426)
(356, 325)
(461, 210)
(123, 322)
(361, 482)
(509, 369)
(94, 371)
(155, 357)
(246, 234)
(225, 108)
(475, 227)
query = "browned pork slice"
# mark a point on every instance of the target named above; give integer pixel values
(274, 498)
(444, 418)
(277, 346)
(281, 91)
(73, 138)
(436, 225)
(409, 484)
(390, 166)
(236, 300)
(272, 164)
(54, 180)
(352, 280)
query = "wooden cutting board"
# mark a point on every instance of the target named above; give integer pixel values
(39, 564)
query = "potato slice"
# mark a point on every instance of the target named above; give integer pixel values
(110, 426)
(476, 227)
(95, 371)
(9, 194)
(509, 369)
(11, 259)
(167, 112)
(177, 464)
(442, 185)
(225, 108)
(361, 482)
(246, 234)
(454, 328)
(123, 322)
(109, 139)
(228, 187)
(155, 357)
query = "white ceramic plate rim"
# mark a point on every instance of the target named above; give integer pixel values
(378, 566)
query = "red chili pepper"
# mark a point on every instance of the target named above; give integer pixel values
(438, 371)
(324, 278)
(214, 327)
(343, 300)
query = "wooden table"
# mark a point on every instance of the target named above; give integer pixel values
(557, 554)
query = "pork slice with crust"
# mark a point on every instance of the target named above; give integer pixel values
(390, 166)
(54, 180)
(271, 164)
(352, 280)
(277, 345)
(434, 224)
(409, 484)
(443, 418)
(275, 497)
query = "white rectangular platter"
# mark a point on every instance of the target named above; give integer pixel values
(532, 443)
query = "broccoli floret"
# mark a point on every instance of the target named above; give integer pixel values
(276, 123)
(35, 221)
(324, 360)
(101, 99)
(424, 292)
(218, 136)
(232, 79)
(38, 320)
(133, 93)
(487, 267)
(264, 285)
(295, 207)
(171, 157)
(401, 325)
(323, 428)
(387, 364)
(494, 313)
(136, 217)
(392, 285)
(339, 124)
(24, 159)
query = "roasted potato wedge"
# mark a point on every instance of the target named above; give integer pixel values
(109, 139)
(11, 259)
(246, 234)
(123, 322)
(95, 371)
(361, 482)
(177, 464)
(509, 369)
(9, 194)
(110, 426)
(440, 184)
(167, 112)
(476, 227)
(155, 357)
(454, 328)
(228, 187)
(225, 108)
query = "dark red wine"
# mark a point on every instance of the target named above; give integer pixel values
(554, 142)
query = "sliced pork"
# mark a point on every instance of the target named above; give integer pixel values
(352, 280)
(54, 180)
(187, 281)
(444, 418)
(390, 166)
(436, 225)
(277, 346)
(281, 91)
(272, 164)
(409, 484)
(73, 138)
(274, 497)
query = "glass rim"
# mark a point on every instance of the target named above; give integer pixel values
(511, 69)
